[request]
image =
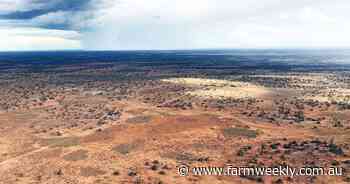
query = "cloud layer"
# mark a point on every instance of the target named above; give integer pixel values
(169, 24)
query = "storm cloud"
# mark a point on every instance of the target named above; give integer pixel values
(50, 14)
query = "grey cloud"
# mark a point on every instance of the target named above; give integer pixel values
(52, 14)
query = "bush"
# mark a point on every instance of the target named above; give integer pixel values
(240, 132)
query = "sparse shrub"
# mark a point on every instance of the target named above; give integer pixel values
(240, 132)
(333, 148)
(124, 148)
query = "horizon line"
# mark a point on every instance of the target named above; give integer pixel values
(183, 49)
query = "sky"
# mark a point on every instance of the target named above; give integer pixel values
(172, 24)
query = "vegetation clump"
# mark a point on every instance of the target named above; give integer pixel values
(240, 132)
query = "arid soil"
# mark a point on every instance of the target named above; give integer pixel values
(118, 124)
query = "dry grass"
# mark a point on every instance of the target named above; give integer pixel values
(239, 132)
(76, 155)
(205, 82)
(212, 88)
(125, 148)
(62, 142)
(231, 92)
(139, 119)
(91, 172)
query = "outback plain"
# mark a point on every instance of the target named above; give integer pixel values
(104, 122)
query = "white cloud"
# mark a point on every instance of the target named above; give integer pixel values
(11, 5)
(64, 18)
(38, 39)
(7, 6)
(59, 17)
(169, 24)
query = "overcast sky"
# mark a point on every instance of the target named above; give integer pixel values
(172, 24)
